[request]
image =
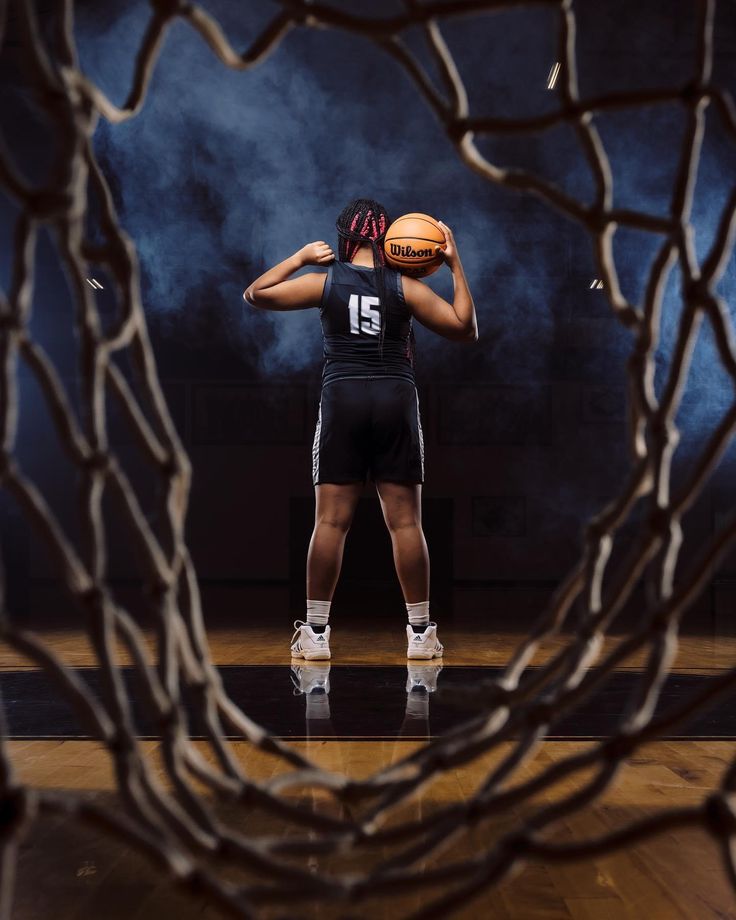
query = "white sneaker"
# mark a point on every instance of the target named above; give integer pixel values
(423, 645)
(306, 643)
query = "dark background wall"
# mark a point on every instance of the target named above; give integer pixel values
(223, 174)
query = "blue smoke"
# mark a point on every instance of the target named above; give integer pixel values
(224, 174)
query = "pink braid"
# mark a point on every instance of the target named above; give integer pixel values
(372, 232)
(352, 247)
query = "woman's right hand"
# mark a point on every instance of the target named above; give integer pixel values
(318, 253)
(450, 250)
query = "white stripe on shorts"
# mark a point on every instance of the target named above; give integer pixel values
(421, 436)
(315, 445)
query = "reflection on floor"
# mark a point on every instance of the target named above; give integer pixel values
(317, 699)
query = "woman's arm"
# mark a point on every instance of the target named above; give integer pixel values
(455, 320)
(463, 300)
(273, 292)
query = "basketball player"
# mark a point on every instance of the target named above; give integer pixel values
(368, 420)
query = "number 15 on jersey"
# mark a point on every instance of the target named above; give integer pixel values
(363, 316)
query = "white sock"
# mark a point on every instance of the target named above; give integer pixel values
(318, 612)
(418, 614)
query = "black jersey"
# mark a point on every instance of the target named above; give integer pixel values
(351, 324)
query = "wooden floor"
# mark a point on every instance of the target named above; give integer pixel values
(380, 643)
(69, 873)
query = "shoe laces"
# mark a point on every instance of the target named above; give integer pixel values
(296, 681)
(298, 627)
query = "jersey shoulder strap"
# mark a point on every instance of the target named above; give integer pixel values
(399, 286)
(326, 289)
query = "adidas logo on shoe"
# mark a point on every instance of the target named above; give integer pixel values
(423, 645)
(306, 644)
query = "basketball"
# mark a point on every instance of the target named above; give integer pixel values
(414, 245)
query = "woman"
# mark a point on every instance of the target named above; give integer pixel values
(368, 420)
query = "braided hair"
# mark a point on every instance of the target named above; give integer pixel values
(366, 221)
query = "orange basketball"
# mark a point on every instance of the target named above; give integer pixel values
(414, 245)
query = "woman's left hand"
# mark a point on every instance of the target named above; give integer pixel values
(317, 253)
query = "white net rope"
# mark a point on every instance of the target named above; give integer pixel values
(181, 824)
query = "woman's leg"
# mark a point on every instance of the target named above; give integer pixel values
(334, 510)
(402, 510)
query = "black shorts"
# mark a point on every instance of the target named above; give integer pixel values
(368, 425)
